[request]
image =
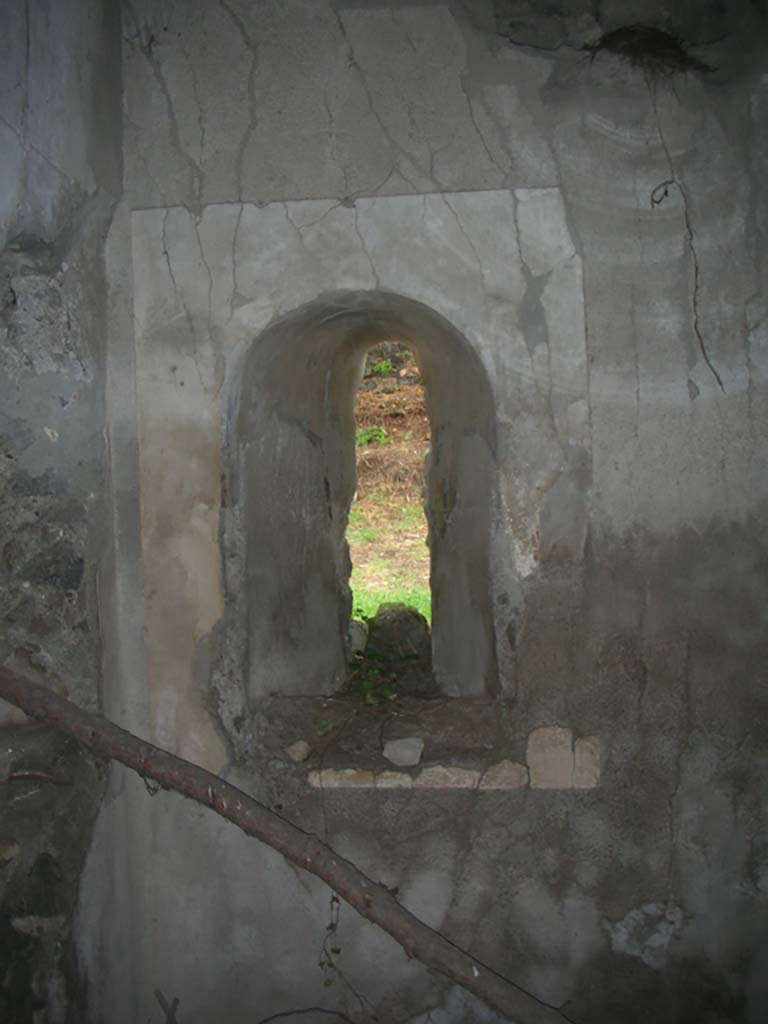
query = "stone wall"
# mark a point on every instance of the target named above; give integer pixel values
(60, 177)
(598, 239)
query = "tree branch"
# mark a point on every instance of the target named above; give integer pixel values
(370, 899)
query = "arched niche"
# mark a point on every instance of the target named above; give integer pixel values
(293, 437)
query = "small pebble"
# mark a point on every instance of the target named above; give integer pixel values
(298, 751)
(405, 752)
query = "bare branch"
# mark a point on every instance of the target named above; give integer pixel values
(370, 899)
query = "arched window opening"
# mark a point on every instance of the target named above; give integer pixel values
(294, 484)
(387, 530)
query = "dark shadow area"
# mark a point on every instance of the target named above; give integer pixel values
(393, 658)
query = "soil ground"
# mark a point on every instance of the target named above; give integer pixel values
(387, 530)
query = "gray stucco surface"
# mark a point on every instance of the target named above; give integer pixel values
(409, 148)
(60, 170)
(586, 248)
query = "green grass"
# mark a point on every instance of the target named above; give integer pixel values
(364, 534)
(374, 434)
(408, 515)
(411, 515)
(365, 603)
(360, 530)
(356, 516)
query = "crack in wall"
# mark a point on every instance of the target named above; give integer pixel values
(368, 256)
(394, 147)
(198, 103)
(657, 197)
(295, 229)
(235, 236)
(156, 183)
(181, 303)
(480, 135)
(253, 120)
(32, 148)
(470, 243)
(146, 47)
(633, 315)
(332, 138)
(196, 229)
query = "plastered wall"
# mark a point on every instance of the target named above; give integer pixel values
(275, 153)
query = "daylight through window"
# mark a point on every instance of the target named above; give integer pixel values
(387, 531)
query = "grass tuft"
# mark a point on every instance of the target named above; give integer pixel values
(364, 534)
(365, 602)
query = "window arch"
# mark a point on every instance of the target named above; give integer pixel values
(292, 430)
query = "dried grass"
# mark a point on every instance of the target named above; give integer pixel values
(390, 470)
(395, 468)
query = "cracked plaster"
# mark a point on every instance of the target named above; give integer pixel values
(629, 485)
(335, 101)
(205, 288)
(57, 110)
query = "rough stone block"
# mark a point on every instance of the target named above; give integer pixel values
(11, 715)
(550, 758)
(37, 926)
(298, 751)
(341, 778)
(9, 849)
(586, 763)
(358, 636)
(505, 775)
(446, 777)
(393, 780)
(404, 752)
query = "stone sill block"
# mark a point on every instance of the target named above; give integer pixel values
(554, 762)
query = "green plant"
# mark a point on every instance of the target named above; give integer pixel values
(382, 367)
(374, 689)
(374, 434)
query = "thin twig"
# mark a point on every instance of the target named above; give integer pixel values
(169, 1009)
(31, 776)
(310, 1009)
